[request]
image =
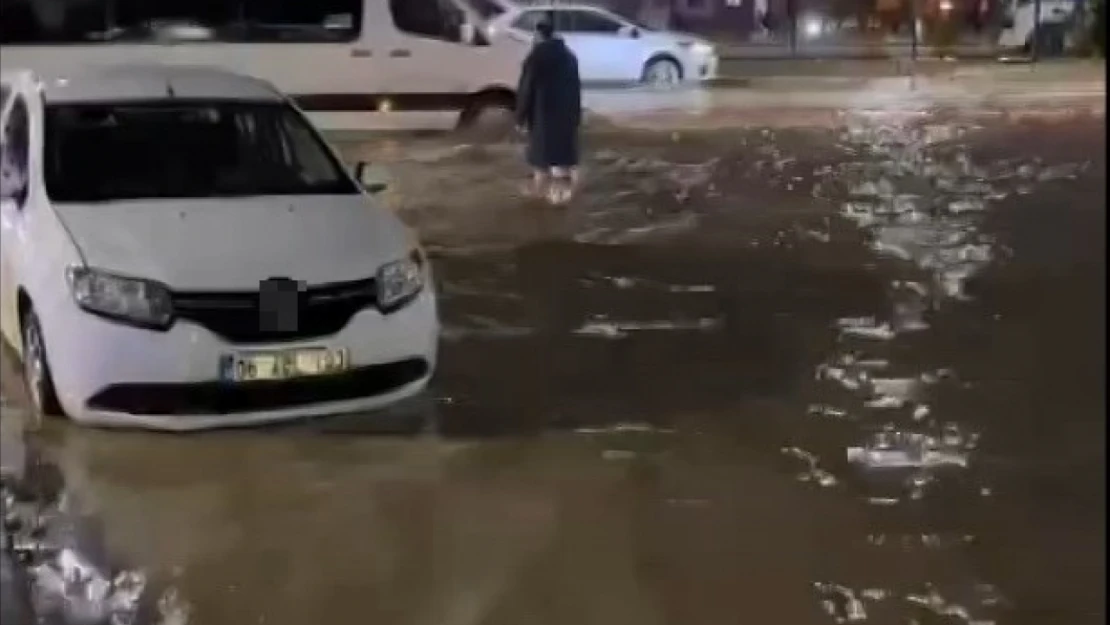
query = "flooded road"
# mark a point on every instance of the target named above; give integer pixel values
(850, 374)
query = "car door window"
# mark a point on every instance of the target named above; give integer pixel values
(588, 22)
(239, 21)
(15, 152)
(432, 19)
(316, 21)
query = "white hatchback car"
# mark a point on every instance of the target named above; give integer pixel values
(609, 47)
(182, 250)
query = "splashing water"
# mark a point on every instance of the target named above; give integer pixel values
(56, 549)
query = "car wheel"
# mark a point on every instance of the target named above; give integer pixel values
(662, 73)
(36, 368)
(489, 116)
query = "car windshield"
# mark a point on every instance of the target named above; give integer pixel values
(182, 149)
(639, 25)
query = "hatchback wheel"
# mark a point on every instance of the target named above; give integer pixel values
(663, 73)
(36, 368)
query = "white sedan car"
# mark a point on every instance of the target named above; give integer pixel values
(609, 47)
(182, 250)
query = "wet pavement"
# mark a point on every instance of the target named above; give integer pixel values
(971, 88)
(793, 376)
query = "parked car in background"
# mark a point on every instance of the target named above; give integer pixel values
(611, 48)
(180, 249)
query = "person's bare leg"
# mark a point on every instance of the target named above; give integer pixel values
(538, 186)
(574, 177)
(567, 185)
(559, 191)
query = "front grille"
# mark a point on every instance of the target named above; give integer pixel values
(217, 398)
(235, 315)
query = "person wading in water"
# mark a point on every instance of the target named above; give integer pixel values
(549, 110)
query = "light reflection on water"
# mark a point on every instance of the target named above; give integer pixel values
(920, 199)
(653, 514)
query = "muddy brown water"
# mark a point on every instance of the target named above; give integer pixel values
(644, 409)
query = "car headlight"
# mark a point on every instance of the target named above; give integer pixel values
(400, 281)
(813, 27)
(702, 49)
(698, 48)
(132, 300)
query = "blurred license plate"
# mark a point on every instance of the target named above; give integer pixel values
(282, 365)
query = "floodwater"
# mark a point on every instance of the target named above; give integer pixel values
(850, 374)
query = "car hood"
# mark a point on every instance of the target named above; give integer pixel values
(235, 243)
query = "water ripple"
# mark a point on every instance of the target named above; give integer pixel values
(919, 199)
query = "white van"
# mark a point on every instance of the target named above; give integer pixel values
(350, 64)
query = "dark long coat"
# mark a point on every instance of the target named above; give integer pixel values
(549, 104)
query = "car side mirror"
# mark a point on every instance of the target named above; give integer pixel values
(632, 32)
(372, 182)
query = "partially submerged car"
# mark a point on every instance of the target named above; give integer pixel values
(182, 250)
(610, 48)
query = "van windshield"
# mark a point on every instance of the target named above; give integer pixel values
(181, 149)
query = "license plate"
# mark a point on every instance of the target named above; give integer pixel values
(282, 365)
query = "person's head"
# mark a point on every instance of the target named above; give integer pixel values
(545, 29)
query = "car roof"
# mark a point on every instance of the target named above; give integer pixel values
(131, 82)
(551, 5)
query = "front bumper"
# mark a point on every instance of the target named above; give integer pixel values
(706, 67)
(111, 374)
(699, 64)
